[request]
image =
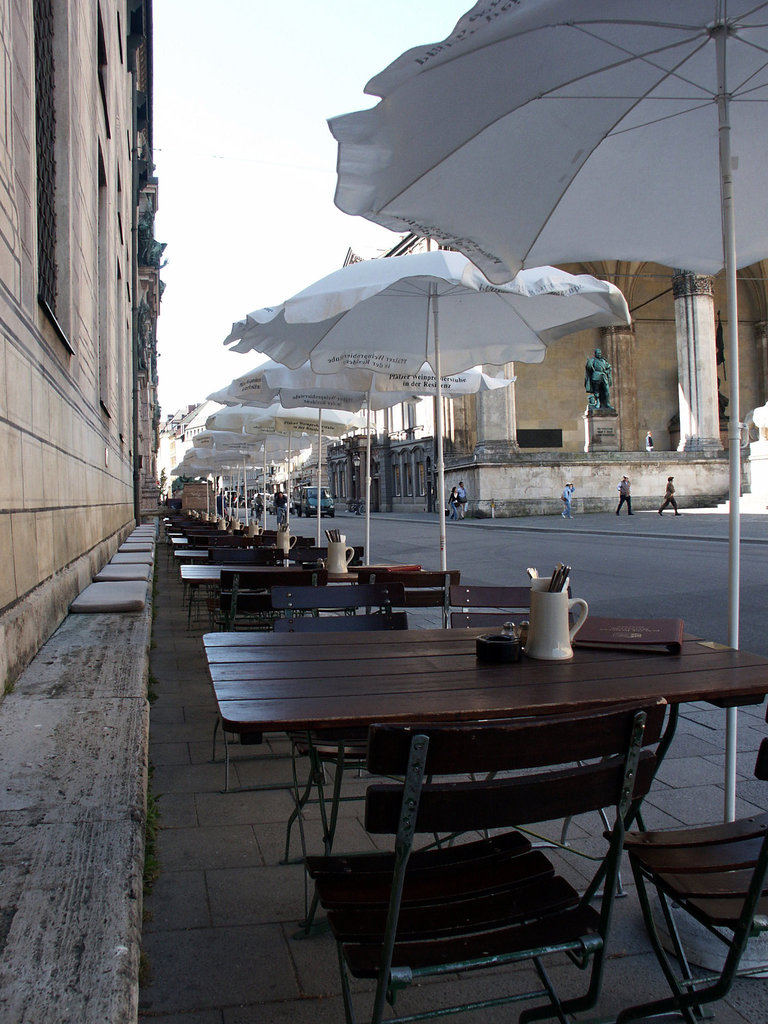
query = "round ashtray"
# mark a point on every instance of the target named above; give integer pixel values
(498, 648)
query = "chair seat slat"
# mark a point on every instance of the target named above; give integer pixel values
(492, 909)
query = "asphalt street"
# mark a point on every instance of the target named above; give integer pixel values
(639, 566)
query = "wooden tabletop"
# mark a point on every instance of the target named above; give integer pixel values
(280, 681)
(210, 573)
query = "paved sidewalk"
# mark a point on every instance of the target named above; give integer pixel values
(222, 939)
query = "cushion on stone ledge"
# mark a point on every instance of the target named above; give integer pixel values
(118, 573)
(129, 596)
(136, 545)
(132, 557)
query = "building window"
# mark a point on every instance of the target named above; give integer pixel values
(408, 469)
(396, 480)
(101, 50)
(422, 479)
(104, 280)
(45, 139)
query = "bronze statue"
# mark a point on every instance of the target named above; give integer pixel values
(598, 378)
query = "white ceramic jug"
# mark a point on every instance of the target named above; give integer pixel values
(339, 556)
(285, 541)
(549, 631)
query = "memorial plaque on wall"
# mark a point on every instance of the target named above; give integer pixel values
(545, 438)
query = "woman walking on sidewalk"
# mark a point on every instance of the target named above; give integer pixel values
(669, 497)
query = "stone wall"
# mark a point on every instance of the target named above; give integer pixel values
(66, 459)
(532, 484)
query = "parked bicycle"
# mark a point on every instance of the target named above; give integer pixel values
(356, 505)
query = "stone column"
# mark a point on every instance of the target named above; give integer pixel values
(497, 420)
(618, 345)
(761, 343)
(696, 362)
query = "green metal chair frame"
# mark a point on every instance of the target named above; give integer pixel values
(412, 914)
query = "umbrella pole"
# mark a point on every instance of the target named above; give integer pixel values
(319, 469)
(288, 495)
(367, 556)
(734, 449)
(439, 431)
(264, 492)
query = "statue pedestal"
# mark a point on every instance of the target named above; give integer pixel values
(601, 431)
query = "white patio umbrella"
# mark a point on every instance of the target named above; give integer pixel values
(394, 315)
(550, 131)
(351, 389)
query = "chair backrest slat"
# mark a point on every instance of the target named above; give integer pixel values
(265, 579)
(545, 750)
(245, 556)
(342, 623)
(354, 595)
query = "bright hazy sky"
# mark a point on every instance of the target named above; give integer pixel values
(246, 163)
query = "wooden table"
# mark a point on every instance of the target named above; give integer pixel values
(286, 681)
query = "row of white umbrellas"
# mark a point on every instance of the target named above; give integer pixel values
(392, 327)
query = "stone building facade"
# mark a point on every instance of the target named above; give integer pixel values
(77, 307)
(515, 447)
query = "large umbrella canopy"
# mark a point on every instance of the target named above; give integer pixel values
(394, 315)
(552, 131)
(376, 315)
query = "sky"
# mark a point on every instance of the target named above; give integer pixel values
(246, 165)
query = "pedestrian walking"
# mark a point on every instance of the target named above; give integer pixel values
(462, 498)
(648, 442)
(669, 497)
(453, 504)
(624, 496)
(566, 497)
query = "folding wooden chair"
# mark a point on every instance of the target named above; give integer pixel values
(244, 597)
(343, 598)
(323, 747)
(423, 588)
(411, 914)
(718, 875)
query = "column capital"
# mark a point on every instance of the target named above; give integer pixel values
(685, 283)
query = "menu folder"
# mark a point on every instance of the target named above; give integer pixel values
(664, 636)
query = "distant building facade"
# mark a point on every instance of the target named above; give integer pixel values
(78, 302)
